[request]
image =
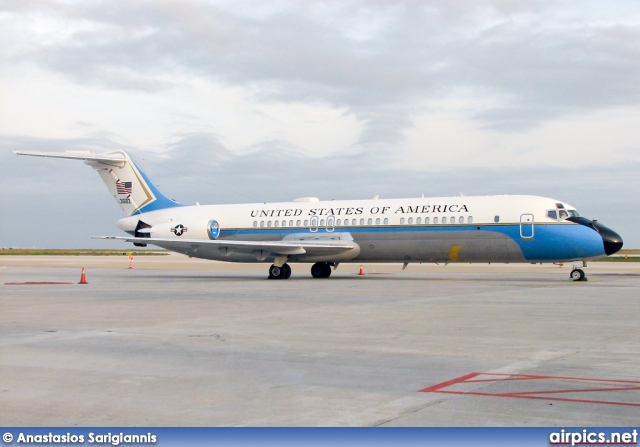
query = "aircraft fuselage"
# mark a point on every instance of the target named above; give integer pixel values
(451, 229)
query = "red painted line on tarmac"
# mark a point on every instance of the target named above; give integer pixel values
(590, 390)
(559, 399)
(515, 377)
(539, 395)
(35, 283)
(460, 379)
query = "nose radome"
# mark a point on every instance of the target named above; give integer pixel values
(611, 240)
(612, 246)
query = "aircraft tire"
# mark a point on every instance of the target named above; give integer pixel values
(316, 270)
(277, 272)
(321, 270)
(287, 271)
(577, 275)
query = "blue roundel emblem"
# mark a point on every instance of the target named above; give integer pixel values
(214, 229)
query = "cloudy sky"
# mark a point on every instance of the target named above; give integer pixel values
(226, 101)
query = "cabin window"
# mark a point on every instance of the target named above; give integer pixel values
(453, 219)
(284, 223)
(322, 222)
(427, 220)
(290, 223)
(262, 223)
(461, 220)
(338, 222)
(410, 220)
(470, 219)
(306, 222)
(444, 220)
(298, 223)
(377, 221)
(496, 219)
(269, 224)
(402, 221)
(435, 220)
(369, 221)
(419, 220)
(386, 221)
(275, 224)
(361, 221)
(255, 223)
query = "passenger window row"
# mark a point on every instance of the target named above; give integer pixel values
(361, 222)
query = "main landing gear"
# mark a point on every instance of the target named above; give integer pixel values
(283, 272)
(318, 270)
(321, 270)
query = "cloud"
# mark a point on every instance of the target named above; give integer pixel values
(387, 58)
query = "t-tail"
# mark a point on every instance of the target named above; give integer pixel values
(128, 184)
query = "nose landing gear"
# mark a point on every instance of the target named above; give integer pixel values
(577, 275)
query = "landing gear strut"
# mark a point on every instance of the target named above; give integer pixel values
(321, 270)
(283, 272)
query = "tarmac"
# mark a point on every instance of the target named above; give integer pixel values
(184, 342)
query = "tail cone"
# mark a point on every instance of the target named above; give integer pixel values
(83, 278)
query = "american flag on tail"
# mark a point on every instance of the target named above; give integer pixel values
(123, 187)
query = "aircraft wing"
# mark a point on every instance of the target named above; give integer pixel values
(261, 249)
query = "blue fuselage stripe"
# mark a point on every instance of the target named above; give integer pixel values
(549, 242)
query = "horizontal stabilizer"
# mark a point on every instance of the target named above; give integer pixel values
(77, 155)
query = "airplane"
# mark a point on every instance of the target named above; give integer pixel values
(480, 229)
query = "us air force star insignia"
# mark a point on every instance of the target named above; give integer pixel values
(179, 229)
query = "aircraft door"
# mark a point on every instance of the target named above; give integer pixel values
(331, 223)
(313, 227)
(526, 226)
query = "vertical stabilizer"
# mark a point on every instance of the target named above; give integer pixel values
(128, 184)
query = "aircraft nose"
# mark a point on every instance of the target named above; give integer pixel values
(612, 240)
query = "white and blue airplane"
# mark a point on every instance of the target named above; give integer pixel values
(505, 229)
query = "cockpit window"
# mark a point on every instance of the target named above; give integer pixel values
(562, 214)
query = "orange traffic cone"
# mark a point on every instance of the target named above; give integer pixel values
(83, 278)
(361, 271)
